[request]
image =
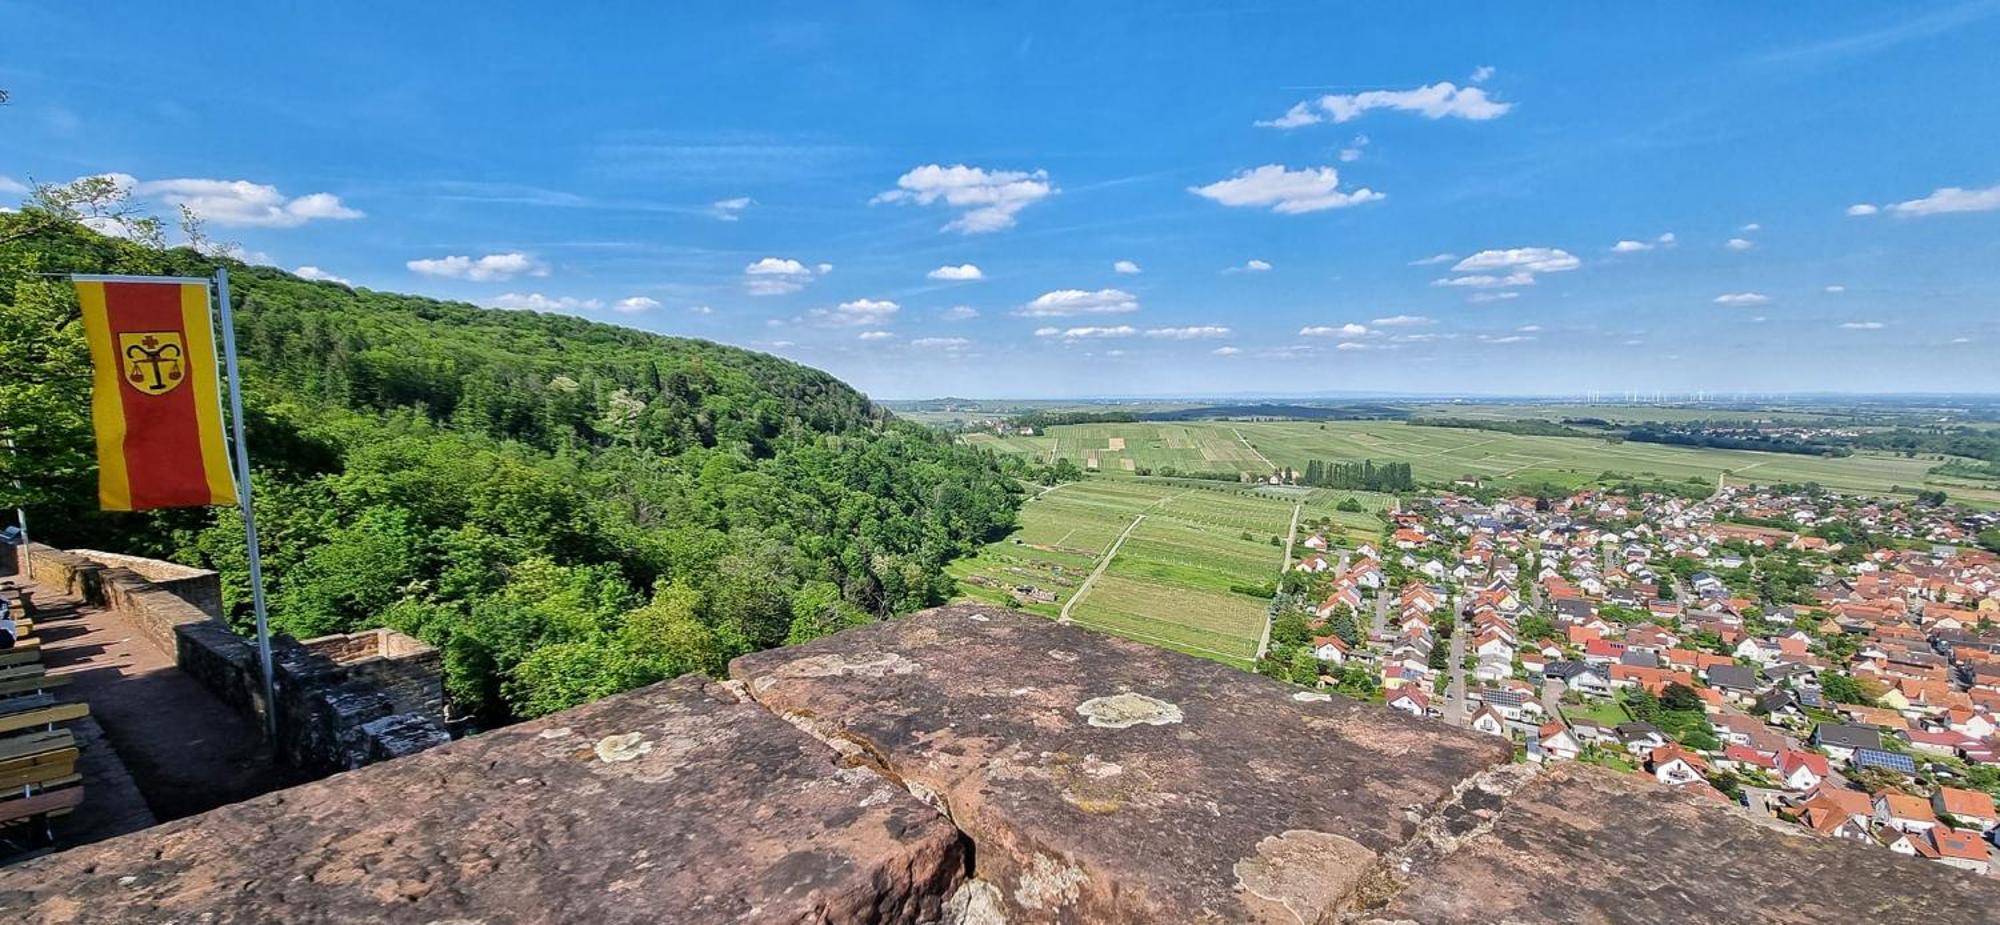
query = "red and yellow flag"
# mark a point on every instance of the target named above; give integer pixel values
(155, 399)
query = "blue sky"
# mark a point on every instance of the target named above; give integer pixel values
(1287, 181)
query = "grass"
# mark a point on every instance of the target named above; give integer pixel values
(1170, 583)
(1439, 454)
(1603, 712)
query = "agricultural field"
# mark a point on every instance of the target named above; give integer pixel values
(1192, 575)
(1442, 453)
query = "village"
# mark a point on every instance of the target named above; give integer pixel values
(1824, 661)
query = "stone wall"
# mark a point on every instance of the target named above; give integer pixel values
(978, 765)
(330, 707)
(407, 670)
(198, 586)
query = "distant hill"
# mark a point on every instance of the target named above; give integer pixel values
(566, 508)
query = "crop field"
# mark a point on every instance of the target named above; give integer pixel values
(1443, 453)
(1178, 580)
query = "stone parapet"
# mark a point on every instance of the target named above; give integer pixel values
(978, 765)
(677, 803)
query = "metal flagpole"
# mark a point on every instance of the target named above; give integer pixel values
(243, 500)
(21, 517)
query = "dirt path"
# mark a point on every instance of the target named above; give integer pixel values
(1102, 564)
(1291, 534)
(1268, 464)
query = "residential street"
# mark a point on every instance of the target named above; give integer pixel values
(1454, 699)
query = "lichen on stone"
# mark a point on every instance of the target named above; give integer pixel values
(1119, 711)
(1048, 883)
(613, 749)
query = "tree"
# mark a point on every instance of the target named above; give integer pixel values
(1343, 626)
(1680, 697)
(1843, 688)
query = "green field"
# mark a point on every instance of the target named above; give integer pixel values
(1440, 454)
(1171, 581)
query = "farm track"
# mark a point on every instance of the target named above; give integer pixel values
(1102, 564)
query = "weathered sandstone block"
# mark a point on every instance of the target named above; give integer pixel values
(675, 803)
(1103, 780)
(1582, 844)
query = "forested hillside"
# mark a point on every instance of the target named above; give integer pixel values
(566, 508)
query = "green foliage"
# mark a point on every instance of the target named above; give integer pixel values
(1842, 688)
(565, 508)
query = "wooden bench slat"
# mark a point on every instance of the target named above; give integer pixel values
(22, 704)
(59, 713)
(23, 685)
(51, 756)
(41, 776)
(27, 744)
(19, 656)
(34, 670)
(48, 802)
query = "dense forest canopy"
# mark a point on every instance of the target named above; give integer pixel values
(566, 508)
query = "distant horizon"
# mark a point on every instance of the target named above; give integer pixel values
(1571, 397)
(1017, 199)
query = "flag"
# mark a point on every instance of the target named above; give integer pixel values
(155, 400)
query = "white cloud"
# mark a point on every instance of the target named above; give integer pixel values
(778, 276)
(1285, 191)
(1347, 330)
(1667, 239)
(730, 210)
(1355, 345)
(858, 312)
(1627, 247)
(959, 313)
(941, 343)
(1481, 298)
(1401, 321)
(824, 268)
(963, 271)
(1352, 152)
(1126, 267)
(1434, 260)
(1961, 340)
(1862, 325)
(987, 199)
(639, 303)
(1836, 289)
(1529, 329)
(1192, 332)
(1123, 330)
(1862, 208)
(1528, 259)
(10, 186)
(700, 310)
(535, 301)
(1949, 199)
(1738, 299)
(1487, 280)
(1753, 226)
(491, 267)
(1739, 244)
(1254, 265)
(1226, 351)
(877, 335)
(241, 203)
(1481, 74)
(1509, 339)
(1063, 302)
(318, 275)
(1435, 101)
(1508, 267)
